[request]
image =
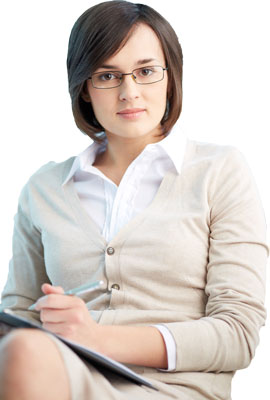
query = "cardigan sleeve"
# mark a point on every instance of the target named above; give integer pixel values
(225, 339)
(27, 268)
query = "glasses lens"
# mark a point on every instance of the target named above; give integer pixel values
(106, 80)
(147, 75)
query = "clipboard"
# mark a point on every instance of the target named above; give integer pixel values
(97, 359)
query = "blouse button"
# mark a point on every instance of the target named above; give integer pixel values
(116, 286)
(110, 250)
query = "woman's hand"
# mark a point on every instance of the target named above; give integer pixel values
(67, 316)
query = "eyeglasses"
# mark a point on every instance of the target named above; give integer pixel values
(142, 76)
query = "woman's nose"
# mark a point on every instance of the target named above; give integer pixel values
(128, 89)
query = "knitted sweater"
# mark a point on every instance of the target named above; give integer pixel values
(193, 260)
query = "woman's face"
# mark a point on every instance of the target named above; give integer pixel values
(142, 49)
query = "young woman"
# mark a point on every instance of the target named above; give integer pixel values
(174, 229)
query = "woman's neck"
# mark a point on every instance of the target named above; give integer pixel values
(121, 151)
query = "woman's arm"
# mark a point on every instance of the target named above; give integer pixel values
(69, 317)
(225, 339)
(27, 269)
(142, 345)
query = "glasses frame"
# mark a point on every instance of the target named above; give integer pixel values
(128, 73)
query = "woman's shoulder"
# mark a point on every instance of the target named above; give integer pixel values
(213, 154)
(52, 171)
(44, 183)
(209, 149)
(219, 166)
(46, 180)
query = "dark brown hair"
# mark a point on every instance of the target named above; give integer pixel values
(97, 35)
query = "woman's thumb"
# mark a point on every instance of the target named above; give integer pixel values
(49, 289)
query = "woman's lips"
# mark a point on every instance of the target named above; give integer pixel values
(131, 113)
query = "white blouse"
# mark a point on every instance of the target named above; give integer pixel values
(111, 206)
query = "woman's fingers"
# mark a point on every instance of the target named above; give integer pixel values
(58, 301)
(48, 289)
(72, 316)
(66, 315)
(73, 323)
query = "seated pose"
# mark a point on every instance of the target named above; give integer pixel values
(174, 228)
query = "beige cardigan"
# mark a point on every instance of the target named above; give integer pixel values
(193, 260)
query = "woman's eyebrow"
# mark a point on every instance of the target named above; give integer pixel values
(139, 62)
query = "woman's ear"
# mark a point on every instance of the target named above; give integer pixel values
(85, 94)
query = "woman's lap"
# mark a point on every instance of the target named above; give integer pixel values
(86, 382)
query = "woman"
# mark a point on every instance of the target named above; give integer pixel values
(175, 232)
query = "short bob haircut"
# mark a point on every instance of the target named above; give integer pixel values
(99, 33)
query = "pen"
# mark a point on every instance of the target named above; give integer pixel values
(86, 288)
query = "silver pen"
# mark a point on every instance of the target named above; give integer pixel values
(86, 288)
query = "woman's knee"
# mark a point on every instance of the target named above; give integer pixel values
(31, 362)
(22, 346)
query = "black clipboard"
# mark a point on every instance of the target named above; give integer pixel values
(97, 359)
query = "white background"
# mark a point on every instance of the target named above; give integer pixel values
(226, 100)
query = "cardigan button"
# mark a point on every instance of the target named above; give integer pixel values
(110, 250)
(116, 286)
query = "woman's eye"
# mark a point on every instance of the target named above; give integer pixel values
(107, 77)
(146, 71)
